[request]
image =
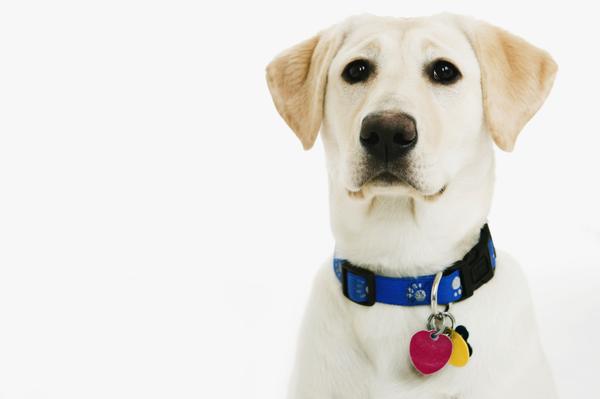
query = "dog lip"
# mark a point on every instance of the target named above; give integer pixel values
(390, 180)
(382, 179)
(387, 178)
(436, 195)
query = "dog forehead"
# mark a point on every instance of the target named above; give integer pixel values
(373, 34)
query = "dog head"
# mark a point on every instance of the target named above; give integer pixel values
(406, 104)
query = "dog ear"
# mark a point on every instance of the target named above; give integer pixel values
(297, 79)
(516, 78)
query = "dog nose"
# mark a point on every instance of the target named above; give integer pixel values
(388, 135)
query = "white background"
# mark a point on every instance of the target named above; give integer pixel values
(160, 225)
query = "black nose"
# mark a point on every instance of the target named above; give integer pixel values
(388, 135)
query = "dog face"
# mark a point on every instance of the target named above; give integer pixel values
(405, 104)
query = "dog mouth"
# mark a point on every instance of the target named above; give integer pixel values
(389, 183)
(385, 179)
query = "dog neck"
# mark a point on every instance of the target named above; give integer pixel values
(405, 235)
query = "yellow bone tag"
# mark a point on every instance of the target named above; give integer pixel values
(460, 350)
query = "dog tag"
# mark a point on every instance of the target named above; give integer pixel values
(462, 330)
(429, 353)
(460, 350)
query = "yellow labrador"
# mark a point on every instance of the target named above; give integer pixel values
(408, 111)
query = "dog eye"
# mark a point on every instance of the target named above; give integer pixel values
(444, 72)
(357, 71)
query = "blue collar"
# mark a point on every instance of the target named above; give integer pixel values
(459, 281)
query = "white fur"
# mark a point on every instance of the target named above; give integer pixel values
(349, 351)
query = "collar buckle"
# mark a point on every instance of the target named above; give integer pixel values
(474, 274)
(358, 284)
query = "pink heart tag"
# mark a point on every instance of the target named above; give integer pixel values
(429, 354)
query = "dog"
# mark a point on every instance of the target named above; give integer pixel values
(409, 110)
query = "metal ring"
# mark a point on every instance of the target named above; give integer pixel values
(442, 316)
(433, 323)
(434, 292)
(452, 319)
